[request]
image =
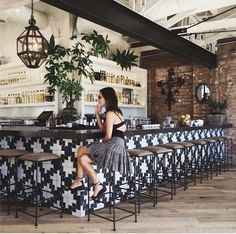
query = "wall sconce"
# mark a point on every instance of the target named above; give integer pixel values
(170, 86)
(32, 47)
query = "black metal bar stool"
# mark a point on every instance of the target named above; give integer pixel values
(114, 201)
(190, 162)
(179, 173)
(10, 156)
(229, 151)
(212, 155)
(144, 181)
(201, 163)
(34, 193)
(221, 154)
(163, 171)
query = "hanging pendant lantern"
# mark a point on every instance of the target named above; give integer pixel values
(32, 47)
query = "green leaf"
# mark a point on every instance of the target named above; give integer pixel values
(62, 66)
(51, 45)
(99, 43)
(125, 59)
(217, 107)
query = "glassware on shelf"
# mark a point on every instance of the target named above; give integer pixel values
(15, 77)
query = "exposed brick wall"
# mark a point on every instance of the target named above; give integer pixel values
(221, 81)
(157, 70)
(226, 81)
(185, 98)
(202, 75)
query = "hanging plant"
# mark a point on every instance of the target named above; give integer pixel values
(99, 43)
(125, 59)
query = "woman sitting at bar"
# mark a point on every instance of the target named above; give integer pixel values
(111, 152)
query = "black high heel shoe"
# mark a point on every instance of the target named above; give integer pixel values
(100, 193)
(78, 188)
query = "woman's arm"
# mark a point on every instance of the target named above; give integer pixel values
(99, 119)
(108, 126)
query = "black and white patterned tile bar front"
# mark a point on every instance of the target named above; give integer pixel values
(65, 142)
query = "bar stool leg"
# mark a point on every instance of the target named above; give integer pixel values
(201, 164)
(216, 158)
(204, 149)
(172, 176)
(136, 187)
(186, 167)
(36, 195)
(139, 186)
(211, 159)
(88, 199)
(231, 153)
(110, 196)
(41, 186)
(135, 198)
(114, 201)
(16, 193)
(194, 163)
(174, 171)
(221, 156)
(226, 156)
(8, 188)
(154, 180)
(61, 190)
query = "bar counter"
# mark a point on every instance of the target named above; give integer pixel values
(64, 143)
(70, 133)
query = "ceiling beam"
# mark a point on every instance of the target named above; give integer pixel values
(213, 25)
(150, 5)
(176, 18)
(114, 16)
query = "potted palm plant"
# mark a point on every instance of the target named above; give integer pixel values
(125, 59)
(65, 67)
(217, 111)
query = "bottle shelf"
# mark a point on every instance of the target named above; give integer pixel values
(132, 106)
(37, 104)
(114, 85)
(30, 82)
(130, 87)
(18, 85)
(120, 105)
(12, 65)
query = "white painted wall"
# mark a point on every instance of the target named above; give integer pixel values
(61, 27)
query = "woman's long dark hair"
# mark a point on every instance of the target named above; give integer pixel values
(111, 100)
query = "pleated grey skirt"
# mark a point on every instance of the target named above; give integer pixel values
(111, 155)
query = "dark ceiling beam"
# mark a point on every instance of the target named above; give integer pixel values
(137, 44)
(112, 15)
(152, 53)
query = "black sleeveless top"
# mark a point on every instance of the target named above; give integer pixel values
(116, 132)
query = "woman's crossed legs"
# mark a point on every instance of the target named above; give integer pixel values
(84, 165)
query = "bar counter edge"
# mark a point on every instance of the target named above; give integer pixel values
(30, 131)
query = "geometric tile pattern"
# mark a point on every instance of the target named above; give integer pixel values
(75, 203)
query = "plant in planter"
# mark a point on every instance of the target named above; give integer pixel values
(217, 110)
(99, 43)
(65, 67)
(125, 59)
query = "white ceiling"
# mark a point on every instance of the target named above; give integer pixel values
(189, 16)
